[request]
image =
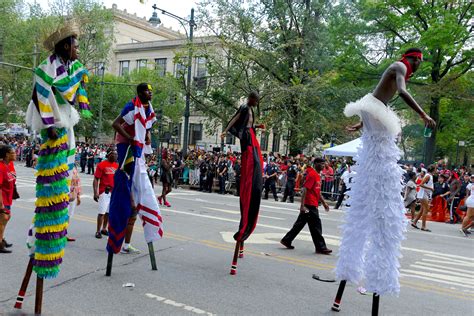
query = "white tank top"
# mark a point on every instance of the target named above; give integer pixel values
(425, 193)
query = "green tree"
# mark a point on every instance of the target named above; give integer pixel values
(371, 33)
(283, 50)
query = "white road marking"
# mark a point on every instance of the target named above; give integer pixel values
(238, 213)
(422, 263)
(464, 274)
(449, 262)
(439, 276)
(431, 279)
(170, 302)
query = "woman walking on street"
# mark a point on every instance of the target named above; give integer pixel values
(470, 207)
(7, 188)
(424, 195)
(166, 178)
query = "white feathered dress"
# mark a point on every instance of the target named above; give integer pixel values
(375, 222)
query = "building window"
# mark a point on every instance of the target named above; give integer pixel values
(201, 70)
(276, 142)
(160, 66)
(141, 64)
(195, 131)
(124, 67)
(264, 141)
(99, 69)
(180, 68)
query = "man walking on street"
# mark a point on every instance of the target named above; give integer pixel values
(311, 195)
(103, 184)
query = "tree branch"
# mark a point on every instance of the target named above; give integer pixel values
(392, 30)
(464, 13)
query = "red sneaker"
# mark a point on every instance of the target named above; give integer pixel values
(167, 204)
(160, 200)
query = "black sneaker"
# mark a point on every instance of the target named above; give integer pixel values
(6, 244)
(4, 250)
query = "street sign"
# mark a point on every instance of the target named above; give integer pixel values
(462, 143)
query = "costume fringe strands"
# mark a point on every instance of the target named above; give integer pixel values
(51, 213)
(375, 220)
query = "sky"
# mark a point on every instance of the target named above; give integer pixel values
(179, 7)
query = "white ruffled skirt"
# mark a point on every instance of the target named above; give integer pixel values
(375, 221)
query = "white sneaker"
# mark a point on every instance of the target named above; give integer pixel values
(130, 250)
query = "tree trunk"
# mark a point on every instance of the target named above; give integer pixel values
(430, 146)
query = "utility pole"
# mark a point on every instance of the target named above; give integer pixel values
(188, 86)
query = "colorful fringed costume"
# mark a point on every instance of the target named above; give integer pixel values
(57, 87)
(131, 180)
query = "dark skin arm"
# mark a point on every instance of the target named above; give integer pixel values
(117, 126)
(95, 186)
(392, 82)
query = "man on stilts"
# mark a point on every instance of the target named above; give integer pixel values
(375, 220)
(133, 193)
(251, 180)
(58, 85)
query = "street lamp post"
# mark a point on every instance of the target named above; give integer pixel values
(155, 20)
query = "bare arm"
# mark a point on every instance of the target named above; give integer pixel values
(303, 196)
(406, 96)
(95, 186)
(117, 125)
(229, 126)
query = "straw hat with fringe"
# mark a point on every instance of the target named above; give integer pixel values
(71, 28)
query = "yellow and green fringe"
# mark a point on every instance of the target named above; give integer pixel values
(52, 200)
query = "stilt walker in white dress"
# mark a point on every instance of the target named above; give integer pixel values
(375, 221)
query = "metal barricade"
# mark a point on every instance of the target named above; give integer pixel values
(331, 189)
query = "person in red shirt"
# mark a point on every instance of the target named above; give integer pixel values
(310, 198)
(103, 185)
(7, 187)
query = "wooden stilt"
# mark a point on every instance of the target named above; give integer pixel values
(152, 256)
(241, 251)
(233, 268)
(24, 285)
(336, 306)
(375, 304)
(39, 295)
(110, 258)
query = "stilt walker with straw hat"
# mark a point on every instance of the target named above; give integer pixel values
(58, 85)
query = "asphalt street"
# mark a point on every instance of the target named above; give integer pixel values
(194, 260)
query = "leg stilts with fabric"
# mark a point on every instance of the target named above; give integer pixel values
(39, 295)
(110, 259)
(152, 256)
(233, 268)
(24, 285)
(250, 195)
(336, 306)
(375, 305)
(241, 251)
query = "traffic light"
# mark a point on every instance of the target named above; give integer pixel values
(176, 130)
